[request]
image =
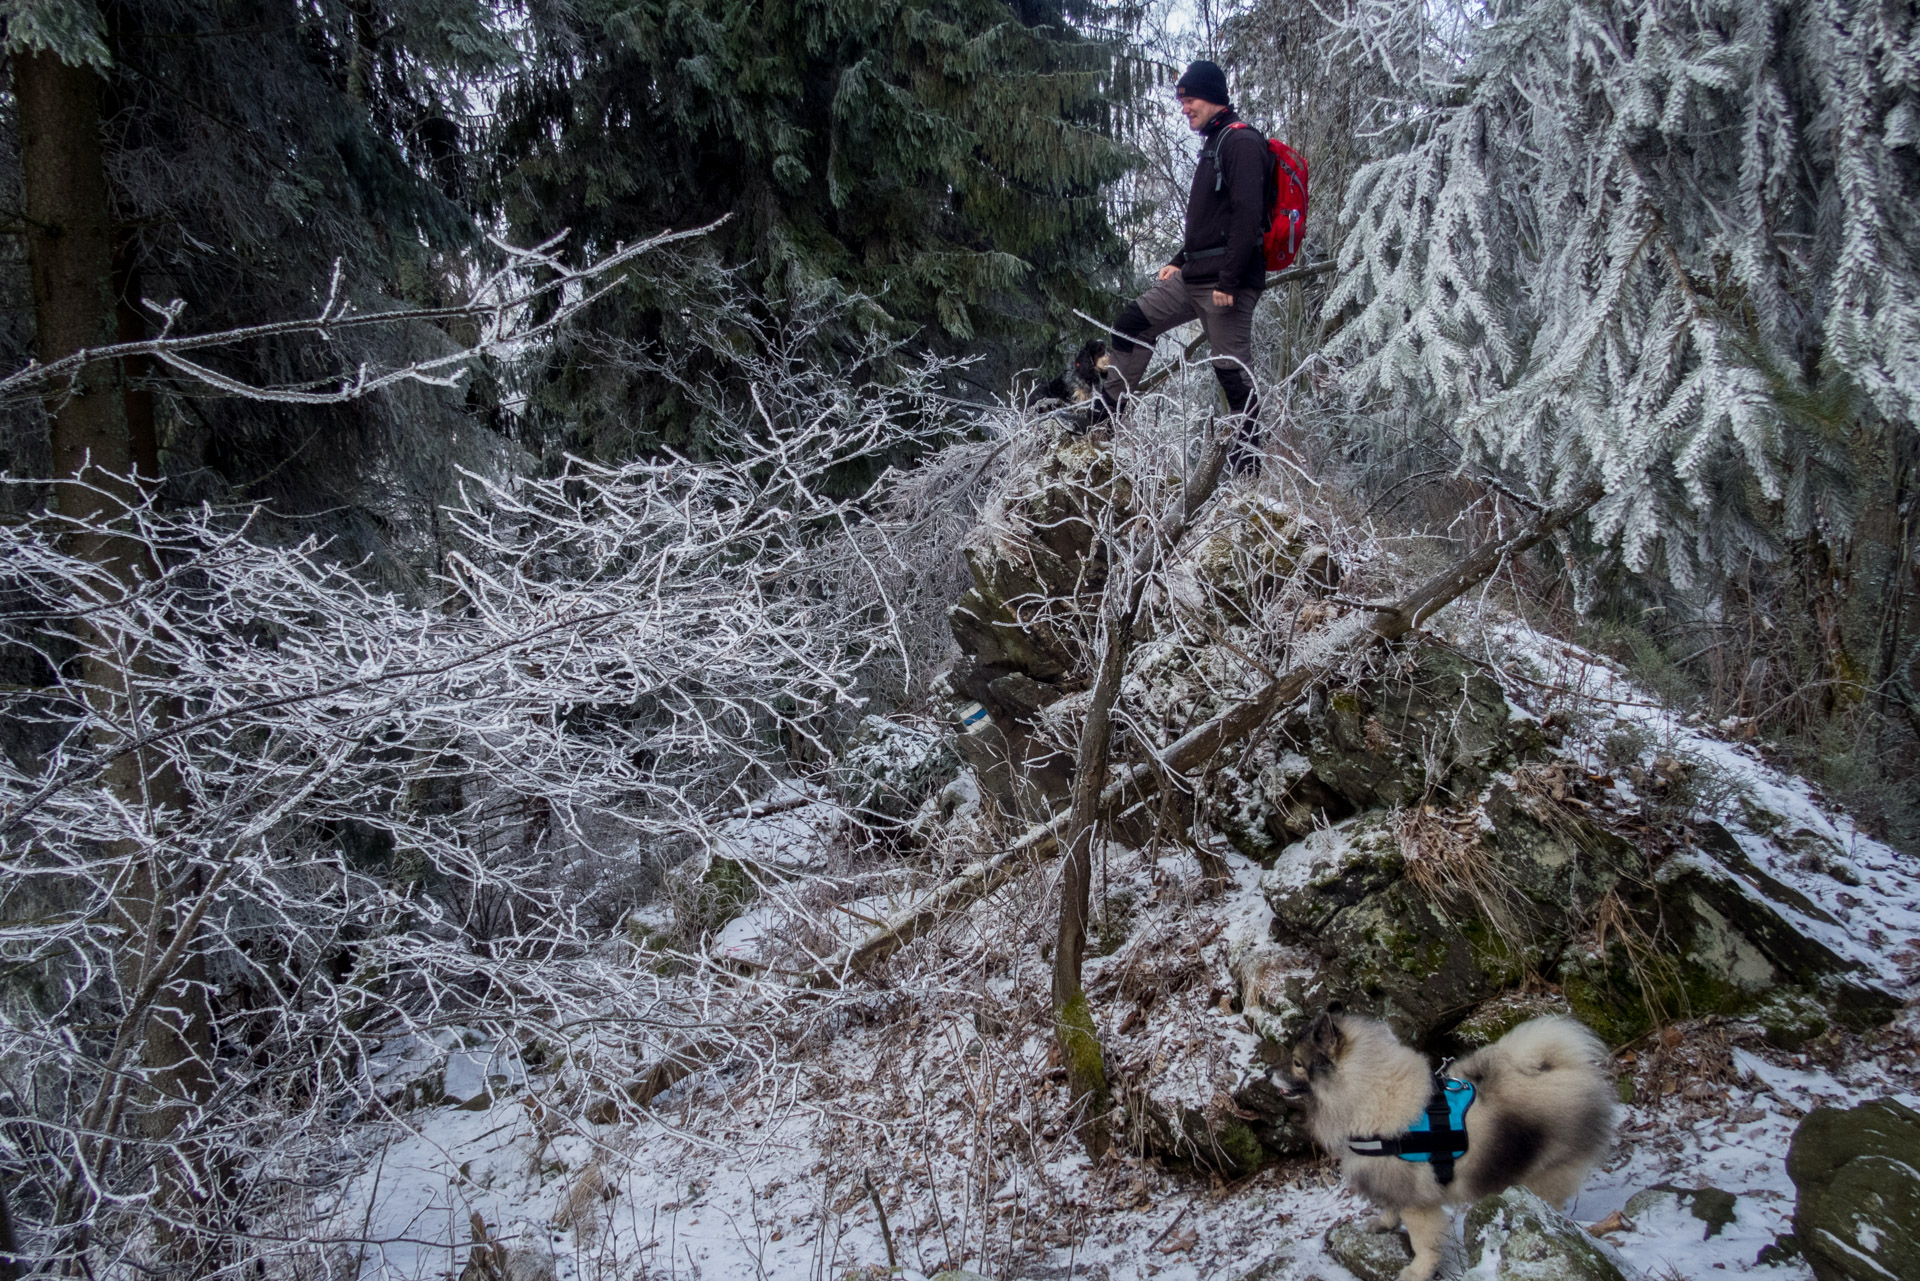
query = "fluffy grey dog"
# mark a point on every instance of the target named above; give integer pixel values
(1542, 1115)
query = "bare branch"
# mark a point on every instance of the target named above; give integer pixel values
(499, 304)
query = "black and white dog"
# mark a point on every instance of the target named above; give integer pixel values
(1082, 382)
(1535, 1108)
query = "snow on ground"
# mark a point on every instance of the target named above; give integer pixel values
(936, 1097)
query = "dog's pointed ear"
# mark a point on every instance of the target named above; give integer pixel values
(1324, 1034)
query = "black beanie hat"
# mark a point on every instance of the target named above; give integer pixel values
(1204, 81)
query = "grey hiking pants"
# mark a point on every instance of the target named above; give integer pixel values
(1174, 302)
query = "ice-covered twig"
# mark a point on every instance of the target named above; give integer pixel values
(500, 304)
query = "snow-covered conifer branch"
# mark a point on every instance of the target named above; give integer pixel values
(1623, 240)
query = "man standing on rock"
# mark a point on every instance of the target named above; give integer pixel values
(1217, 276)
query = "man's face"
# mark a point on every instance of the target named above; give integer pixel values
(1199, 113)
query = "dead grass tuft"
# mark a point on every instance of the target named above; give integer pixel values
(1448, 861)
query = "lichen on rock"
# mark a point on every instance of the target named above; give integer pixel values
(1516, 1236)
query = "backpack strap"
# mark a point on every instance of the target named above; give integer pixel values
(1291, 171)
(1213, 152)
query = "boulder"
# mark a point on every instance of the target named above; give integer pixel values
(1428, 726)
(1423, 915)
(1857, 1213)
(1709, 937)
(1270, 799)
(1031, 557)
(1383, 945)
(1421, 953)
(1710, 1207)
(1369, 1255)
(1737, 924)
(1251, 549)
(1430, 722)
(1037, 567)
(1516, 1236)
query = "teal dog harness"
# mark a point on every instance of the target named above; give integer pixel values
(1438, 1135)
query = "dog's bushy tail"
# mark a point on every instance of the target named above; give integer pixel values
(1555, 1044)
(1550, 1078)
(1555, 1064)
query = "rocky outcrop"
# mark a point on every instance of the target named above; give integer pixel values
(1036, 562)
(1738, 923)
(1857, 1214)
(1516, 1236)
(1429, 915)
(1419, 916)
(1435, 853)
(1033, 555)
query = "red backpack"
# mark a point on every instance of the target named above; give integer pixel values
(1287, 198)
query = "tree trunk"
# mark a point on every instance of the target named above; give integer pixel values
(1827, 582)
(1073, 1018)
(72, 262)
(143, 436)
(70, 258)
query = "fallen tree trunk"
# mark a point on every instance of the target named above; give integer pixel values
(1319, 657)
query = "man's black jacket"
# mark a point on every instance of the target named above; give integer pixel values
(1234, 217)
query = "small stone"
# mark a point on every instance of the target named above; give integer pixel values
(1369, 1255)
(1516, 1236)
(465, 1083)
(1710, 1206)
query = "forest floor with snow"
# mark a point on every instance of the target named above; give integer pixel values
(938, 1102)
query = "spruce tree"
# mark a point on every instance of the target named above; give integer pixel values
(1674, 246)
(249, 145)
(943, 159)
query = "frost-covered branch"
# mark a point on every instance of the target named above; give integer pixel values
(531, 294)
(1669, 246)
(316, 822)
